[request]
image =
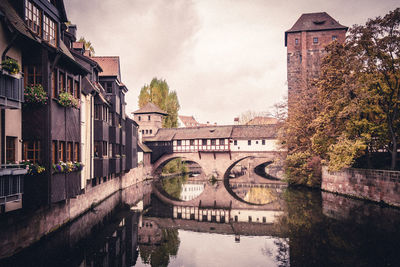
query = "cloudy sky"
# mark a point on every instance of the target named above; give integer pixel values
(222, 57)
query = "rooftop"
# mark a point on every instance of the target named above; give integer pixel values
(260, 120)
(110, 65)
(315, 22)
(189, 121)
(150, 108)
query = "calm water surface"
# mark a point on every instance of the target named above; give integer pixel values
(289, 227)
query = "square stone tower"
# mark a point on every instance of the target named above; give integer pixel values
(149, 118)
(305, 43)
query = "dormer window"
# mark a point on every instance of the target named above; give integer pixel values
(49, 30)
(32, 17)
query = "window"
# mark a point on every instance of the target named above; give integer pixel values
(151, 131)
(204, 142)
(32, 17)
(76, 89)
(179, 142)
(296, 41)
(32, 151)
(33, 75)
(315, 40)
(70, 86)
(105, 149)
(97, 112)
(192, 142)
(235, 142)
(69, 151)
(249, 142)
(10, 148)
(140, 118)
(263, 142)
(147, 131)
(61, 150)
(301, 58)
(54, 84)
(97, 148)
(108, 87)
(49, 30)
(76, 152)
(61, 81)
(250, 219)
(54, 152)
(213, 142)
(149, 118)
(334, 37)
(110, 150)
(222, 142)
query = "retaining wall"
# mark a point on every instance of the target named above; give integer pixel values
(375, 185)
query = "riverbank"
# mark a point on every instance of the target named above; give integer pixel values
(26, 227)
(375, 185)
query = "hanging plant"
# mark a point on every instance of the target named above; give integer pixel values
(10, 65)
(66, 167)
(67, 100)
(35, 94)
(33, 168)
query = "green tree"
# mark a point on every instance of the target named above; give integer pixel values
(88, 45)
(158, 93)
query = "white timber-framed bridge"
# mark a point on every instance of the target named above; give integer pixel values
(217, 149)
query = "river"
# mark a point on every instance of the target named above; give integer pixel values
(243, 222)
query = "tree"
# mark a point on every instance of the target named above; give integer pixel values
(159, 94)
(377, 47)
(87, 45)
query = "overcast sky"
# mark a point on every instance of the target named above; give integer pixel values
(222, 57)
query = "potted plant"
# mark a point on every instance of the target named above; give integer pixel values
(35, 94)
(11, 66)
(67, 100)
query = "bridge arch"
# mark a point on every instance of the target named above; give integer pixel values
(161, 162)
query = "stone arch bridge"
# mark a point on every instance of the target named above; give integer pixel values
(219, 164)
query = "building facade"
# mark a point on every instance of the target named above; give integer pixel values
(149, 118)
(306, 42)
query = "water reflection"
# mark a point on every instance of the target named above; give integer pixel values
(310, 229)
(182, 187)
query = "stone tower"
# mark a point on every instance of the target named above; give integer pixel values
(305, 43)
(149, 118)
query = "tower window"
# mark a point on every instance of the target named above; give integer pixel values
(149, 117)
(315, 40)
(296, 41)
(334, 37)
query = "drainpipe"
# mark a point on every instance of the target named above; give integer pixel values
(3, 135)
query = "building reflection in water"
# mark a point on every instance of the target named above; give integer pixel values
(308, 229)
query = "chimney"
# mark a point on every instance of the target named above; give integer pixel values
(72, 30)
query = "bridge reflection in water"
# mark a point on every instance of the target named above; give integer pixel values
(141, 226)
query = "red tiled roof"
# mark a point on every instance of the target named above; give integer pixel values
(150, 108)
(109, 64)
(262, 121)
(254, 131)
(315, 22)
(189, 121)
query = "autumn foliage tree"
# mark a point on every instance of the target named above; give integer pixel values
(158, 93)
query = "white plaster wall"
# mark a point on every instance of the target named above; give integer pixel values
(256, 215)
(256, 145)
(86, 138)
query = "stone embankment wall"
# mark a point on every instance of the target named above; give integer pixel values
(375, 185)
(23, 228)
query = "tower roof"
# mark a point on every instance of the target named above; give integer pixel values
(150, 108)
(320, 21)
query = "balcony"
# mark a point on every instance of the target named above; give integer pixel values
(115, 135)
(11, 91)
(101, 167)
(101, 130)
(115, 165)
(11, 187)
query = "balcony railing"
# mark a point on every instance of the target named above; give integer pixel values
(11, 90)
(11, 187)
